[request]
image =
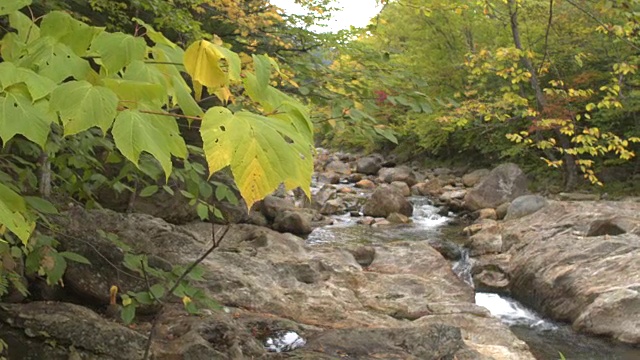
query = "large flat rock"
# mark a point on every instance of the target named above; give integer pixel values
(580, 262)
(408, 289)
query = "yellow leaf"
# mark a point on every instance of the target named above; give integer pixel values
(186, 300)
(202, 62)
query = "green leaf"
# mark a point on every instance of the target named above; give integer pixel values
(69, 31)
(54, 273)
(34, 124)
(55, 60)
(82, 106)
(12, 214)
(304, 90)
(149, 190)
(197, 273)
(203, 211)
(12, 48)
(132, 93)
(135, 132)
(187, 194)
(168, 190)
(128, 313)
(387, 134)
(75, 257)
(157, 291)
(27, 30)
(38, 86)
(41, 205)
(9, 6)
(118, 50)
(155, 36)
(262, 66)
(262, 152)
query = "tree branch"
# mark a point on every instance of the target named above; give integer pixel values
(215, 244)
(546, 37)
(594, 18)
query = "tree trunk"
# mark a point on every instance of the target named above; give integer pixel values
(569, 161)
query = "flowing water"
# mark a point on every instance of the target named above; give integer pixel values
(546, 338)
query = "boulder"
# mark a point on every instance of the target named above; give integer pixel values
(91, 337)
(525, 205)
(369, 165)
(396, 218)
(295, 222)
(578, 262)
(489, 213)
(338, 167)
(429, 188)
(474, 177)
(402, 187)
(354, 178)
(453, 195)
(329, 177)
(271, 206)
(401, 173)
(327, 192)
(505, 183)
(332, 207)
(386, 200)
(365, 184)
(501, 211)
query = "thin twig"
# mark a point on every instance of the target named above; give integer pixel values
(188, 270)
(170, 114)
(546, 37)
(594, 18)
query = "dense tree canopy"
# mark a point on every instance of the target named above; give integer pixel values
(512, 80)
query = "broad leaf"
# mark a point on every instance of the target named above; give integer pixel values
(82, 106)
(27, 30)
(55, 60)
(19, 116)
(135, 132)
(133, 94)
(9, 6)
(262, 152)
(155, 36)
(11, 47)
(202, 62)
(69, 31)
(41, 205)
(262, 66)
(12, 210)
(118, 50)
(37, 85)
(75, 257)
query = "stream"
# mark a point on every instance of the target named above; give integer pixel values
(546, 338)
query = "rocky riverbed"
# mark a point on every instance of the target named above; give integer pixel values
(287, 296)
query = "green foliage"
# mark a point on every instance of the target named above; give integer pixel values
(449, 77)
(77, 102)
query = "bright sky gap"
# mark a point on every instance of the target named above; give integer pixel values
(356, 13)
